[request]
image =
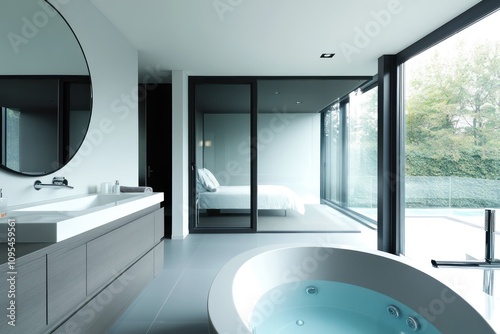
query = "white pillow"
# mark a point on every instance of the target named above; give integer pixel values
(212, 177)
(205, 181)
(200, 188)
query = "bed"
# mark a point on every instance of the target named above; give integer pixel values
(212, 196)
(270, 197)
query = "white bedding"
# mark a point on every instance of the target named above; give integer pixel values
(238, 197)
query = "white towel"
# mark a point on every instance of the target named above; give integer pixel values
(128, 189)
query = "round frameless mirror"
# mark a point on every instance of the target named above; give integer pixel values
(45, 88)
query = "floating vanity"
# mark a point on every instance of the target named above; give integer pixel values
(79, 261)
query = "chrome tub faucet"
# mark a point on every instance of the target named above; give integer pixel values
(489, 255)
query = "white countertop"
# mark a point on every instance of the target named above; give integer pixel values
(57, 220)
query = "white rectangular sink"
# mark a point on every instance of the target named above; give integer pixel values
(57, 220)
(79, 204)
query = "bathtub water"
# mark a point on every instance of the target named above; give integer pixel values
(325, 307)
(354, 291)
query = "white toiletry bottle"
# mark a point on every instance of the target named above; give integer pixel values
(116, 187)
(3, 205)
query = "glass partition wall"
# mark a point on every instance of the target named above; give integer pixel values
(288, 137)
(256, 150)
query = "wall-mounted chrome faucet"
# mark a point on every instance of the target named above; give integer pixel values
(489, 255)
(57, 182)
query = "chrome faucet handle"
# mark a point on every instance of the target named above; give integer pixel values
(489, 220)
(489, 227)
(60, 180)
(57, 182)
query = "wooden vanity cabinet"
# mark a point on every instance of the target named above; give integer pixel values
(66, 281)
(84, 283)
(29, 289)
(110, 253)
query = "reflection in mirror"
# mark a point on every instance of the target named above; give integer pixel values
(45, 88)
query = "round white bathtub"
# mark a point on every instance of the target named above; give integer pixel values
(271, 283)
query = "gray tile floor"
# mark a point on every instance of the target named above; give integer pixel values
(176, 300)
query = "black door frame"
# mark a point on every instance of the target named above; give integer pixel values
(252, 82)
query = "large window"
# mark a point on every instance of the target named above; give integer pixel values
(452, 144)
(332, 153)
(350, 154)
(362, 151)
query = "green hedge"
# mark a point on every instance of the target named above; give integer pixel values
(473, 165)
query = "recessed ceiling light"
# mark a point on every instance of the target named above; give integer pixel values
(298, 102)
(327, 55)
(276, 93)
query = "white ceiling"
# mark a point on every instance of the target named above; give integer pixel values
(273, 37)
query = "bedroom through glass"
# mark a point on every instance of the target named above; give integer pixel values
(256, 154)
(223, 156)
(288, 147)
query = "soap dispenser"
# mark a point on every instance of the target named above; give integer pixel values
(116, 187)
(3, 205)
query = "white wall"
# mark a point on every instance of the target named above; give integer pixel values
(110, 150)
(288, 150)
(180, 159)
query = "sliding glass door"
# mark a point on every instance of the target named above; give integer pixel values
(223, 155)
(288, 138)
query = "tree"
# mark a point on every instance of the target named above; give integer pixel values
(453, 111)
(477, 93)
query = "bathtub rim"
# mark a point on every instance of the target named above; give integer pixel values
(227, 315)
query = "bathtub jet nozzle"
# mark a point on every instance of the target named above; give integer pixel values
(312, 290)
